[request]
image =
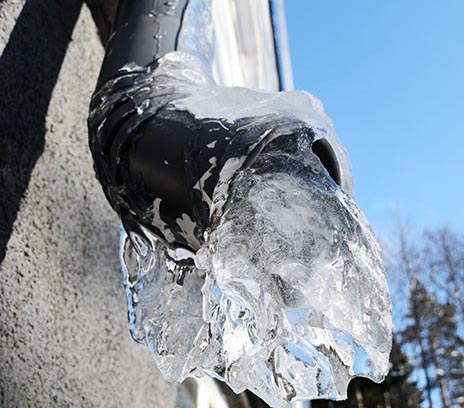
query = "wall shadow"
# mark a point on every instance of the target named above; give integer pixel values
(29, 68)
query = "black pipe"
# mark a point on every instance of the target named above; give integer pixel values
(143, 31)
(131, 168)
(159, 167)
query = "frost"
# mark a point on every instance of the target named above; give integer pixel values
(287, 297)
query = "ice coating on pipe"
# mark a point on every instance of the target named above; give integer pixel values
(287, 297)
(281, 290)
(224, 129)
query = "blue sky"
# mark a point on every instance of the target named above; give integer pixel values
(391, 76)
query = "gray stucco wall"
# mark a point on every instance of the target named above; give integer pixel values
(64, 339)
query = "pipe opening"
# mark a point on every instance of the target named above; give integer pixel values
(322, 149)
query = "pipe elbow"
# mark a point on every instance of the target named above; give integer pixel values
(167, 140)
(160, 163)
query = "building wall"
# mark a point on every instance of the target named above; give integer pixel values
(64, 337)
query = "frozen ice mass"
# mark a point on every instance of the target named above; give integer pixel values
(285, 294)
(274, 281)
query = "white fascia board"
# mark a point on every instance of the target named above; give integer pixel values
(245, 52)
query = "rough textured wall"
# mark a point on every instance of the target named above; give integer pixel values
(63, 323)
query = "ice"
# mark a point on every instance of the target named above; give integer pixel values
(287, 296)
(181, 89)
(284, 294)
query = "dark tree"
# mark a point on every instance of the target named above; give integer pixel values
(432, 335)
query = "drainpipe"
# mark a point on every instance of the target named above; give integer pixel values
(157, 161)
(143, 32)
(159, 164)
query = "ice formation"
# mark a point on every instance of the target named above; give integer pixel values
(287, 296)
(283, 292)
(180, 90)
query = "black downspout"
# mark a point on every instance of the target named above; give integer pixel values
(144, 31)
(150, 168)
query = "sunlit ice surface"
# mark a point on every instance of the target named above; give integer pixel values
(287, 297)
(285, 294)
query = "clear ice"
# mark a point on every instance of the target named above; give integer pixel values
(287, 297)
